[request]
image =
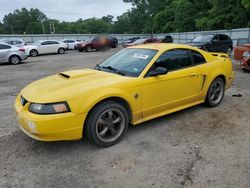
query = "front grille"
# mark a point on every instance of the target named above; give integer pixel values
(23, 101)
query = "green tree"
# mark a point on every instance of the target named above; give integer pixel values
(24, 20)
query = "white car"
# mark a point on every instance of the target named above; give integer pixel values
(71, 43)
(18, 42)
(46, 47)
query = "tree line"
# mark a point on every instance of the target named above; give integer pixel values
(145, 16)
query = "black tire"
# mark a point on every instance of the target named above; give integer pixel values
(215, 92)
(33, 53)
(80, 50)
(14, 60)
(88, 48)
(61, 51)
(100, 127)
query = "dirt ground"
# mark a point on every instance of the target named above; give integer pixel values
(197, 147)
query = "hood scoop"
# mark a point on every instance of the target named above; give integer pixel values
(77, 73)
(64, 75)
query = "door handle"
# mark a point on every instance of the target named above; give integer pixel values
(193, 74)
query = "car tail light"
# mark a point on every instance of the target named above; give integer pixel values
(21, 49)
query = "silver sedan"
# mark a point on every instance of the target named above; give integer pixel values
(11, 54)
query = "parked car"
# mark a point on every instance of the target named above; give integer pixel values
(213, 43)
(243, 45)
(11, 54)
(46, 47)
(71, 43)
(132, 86)
(113, 42)
(14, 41)
(97, 43)
(245, 61)
(166, 39)
(142, 41)
(129, 40)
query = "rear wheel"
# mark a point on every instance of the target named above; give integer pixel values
(88, 48)
(33, 53)
(215, 92)
(61, 51)
(106, 124)
(14, 60)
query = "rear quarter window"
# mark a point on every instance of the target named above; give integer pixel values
(198, 58)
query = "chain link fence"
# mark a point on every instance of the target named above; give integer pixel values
(183, 37)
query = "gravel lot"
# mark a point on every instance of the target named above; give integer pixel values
(197, 147)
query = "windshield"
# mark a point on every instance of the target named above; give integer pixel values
(203, 39)
(140, 41)
(128, 62)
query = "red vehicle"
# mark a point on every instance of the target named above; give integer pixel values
(245, 62)
(242, 46)
(142, 41)
(242, 53)
(98, 43)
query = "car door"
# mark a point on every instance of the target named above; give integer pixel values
(180, 86)
(4, 52)
(54, 46)
(44, 47)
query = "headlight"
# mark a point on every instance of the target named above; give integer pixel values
(246, 54)
(53, 108)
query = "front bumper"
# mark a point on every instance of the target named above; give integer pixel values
(56, 127)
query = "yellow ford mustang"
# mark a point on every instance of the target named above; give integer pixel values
(132, 86)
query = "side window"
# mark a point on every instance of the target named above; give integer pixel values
(54, 42)
(216, 38)
(242, 41)
(198, 58)
(223, 37)
(174, 59)
(45, 43)
(4, 47)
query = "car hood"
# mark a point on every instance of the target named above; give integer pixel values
(70, 85)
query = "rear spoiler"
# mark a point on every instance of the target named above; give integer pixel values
(220, 55)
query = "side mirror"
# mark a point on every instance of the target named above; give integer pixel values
(158, 71)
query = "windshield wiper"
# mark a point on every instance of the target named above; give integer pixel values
(110, 68)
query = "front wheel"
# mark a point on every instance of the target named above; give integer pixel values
(215, 93)
(61, 51)
(106, 124)
(33, 53)
(88, 48)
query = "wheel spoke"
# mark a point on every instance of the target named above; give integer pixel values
(117, 120)
(112, 131)
(101, 121)
(104, 131)
(110, 114)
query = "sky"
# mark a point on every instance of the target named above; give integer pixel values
(68, 10)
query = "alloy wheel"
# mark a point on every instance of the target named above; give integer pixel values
(110, 125)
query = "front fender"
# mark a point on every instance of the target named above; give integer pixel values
(85, 104)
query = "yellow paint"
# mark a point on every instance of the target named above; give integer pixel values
(85, 88)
